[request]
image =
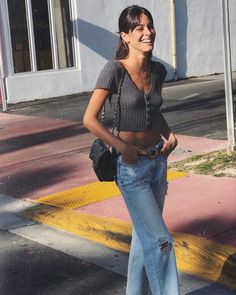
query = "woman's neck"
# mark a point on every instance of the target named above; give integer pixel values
(137, 63)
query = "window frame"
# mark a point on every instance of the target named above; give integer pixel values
(52, 28)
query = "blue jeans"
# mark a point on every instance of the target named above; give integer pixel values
(152, 259)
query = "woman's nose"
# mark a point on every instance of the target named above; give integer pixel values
(148, 31)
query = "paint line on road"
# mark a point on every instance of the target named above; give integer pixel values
(189, 96)
(194, 83)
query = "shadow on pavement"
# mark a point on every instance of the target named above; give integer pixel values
(210, 228)
(228, 271)
(22, 183)
(211, 289)
(29, 140)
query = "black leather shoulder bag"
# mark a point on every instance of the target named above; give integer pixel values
(104, 157)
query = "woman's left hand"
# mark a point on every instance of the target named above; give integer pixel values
(169, 145)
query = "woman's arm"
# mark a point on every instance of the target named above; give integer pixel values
(171, 140)
(91, 122)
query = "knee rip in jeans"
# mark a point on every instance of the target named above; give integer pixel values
(165, 245)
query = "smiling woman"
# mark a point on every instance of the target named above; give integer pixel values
(142, 152)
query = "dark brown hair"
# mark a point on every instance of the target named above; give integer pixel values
(129, 19)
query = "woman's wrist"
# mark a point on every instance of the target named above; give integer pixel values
(170, 144)
(121, 146)
(173, 140)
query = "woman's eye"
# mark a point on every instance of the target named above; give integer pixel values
(141, 28)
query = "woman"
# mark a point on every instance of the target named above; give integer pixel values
(142, 163)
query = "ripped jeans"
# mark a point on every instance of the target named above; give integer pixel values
(152, 259)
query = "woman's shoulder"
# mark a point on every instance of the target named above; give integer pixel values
(158, 65)
(159, 68)
(113, 64)
(109, 76)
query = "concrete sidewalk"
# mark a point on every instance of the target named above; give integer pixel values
(46, 162)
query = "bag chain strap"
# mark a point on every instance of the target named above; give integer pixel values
(117, 105)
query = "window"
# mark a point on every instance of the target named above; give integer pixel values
(41, 34)
(64, 34)
(19, 36)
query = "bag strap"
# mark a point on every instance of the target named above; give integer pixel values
(117, 105)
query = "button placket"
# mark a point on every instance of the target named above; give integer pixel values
(148, 111)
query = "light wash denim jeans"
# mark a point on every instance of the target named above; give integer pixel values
(152, 259)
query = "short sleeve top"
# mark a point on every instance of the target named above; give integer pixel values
(138, 110)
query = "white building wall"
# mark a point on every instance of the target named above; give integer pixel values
(199, 37)
(199, 45)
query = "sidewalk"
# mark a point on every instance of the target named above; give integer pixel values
(46, 161)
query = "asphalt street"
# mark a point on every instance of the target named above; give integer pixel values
(27, 267)
(199, 108)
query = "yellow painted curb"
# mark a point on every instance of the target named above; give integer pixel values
(197, 256)
(206, 259)
(113, 233)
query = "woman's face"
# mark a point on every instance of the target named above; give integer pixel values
(142, 38)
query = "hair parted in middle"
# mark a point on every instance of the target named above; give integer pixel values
(129, 19)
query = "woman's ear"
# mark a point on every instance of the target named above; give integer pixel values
(124, 37)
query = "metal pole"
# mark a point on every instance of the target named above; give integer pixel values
(2, 90)
(228, 76)
(173, 35)
(30, 28)
(2, 71)
(3, 94)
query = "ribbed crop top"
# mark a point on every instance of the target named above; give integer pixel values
(138, 110)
